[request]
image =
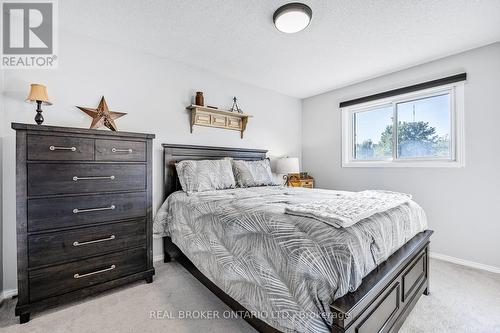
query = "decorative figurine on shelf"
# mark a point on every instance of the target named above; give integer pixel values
(235, 107)
(199, 99)
(102, 115)
(38, 94)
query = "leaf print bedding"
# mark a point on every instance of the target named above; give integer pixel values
(287, 268)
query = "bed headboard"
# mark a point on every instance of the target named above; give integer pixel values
(176, 153)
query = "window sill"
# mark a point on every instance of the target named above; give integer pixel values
(404, 164)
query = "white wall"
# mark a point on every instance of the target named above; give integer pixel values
(154, 92)
(461, 204)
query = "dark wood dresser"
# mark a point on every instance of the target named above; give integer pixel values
(83, 213)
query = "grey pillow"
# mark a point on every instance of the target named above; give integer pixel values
(205, 175)
(253, 173)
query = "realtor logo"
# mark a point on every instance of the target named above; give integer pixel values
(28, 34)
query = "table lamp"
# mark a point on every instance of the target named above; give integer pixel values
(38, 94)
(287, 165)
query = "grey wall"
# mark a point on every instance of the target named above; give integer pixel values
(461, 204)
(154, 91)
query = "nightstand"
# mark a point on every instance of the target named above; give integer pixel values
(294, 180)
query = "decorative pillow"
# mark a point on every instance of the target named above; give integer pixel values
(205, 175)
(253, 173)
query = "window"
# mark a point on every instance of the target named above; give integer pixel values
(422, 128)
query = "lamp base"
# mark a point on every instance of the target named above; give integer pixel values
(285, 177)
(39, 117)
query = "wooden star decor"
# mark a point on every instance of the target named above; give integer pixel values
(102, 115)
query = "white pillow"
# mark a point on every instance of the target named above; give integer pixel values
(253, 173)
(205, 175)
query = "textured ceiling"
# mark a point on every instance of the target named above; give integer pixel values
(346, 42)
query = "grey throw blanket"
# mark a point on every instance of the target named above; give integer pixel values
(286, 268)
(347, 209)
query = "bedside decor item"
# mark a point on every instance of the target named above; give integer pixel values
(199, 99)
(235, 107)
(297, 180)
(84, 213)
(102, 116)
(38, 94)
(287, 165)
(205, 116)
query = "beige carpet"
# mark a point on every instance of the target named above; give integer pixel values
(461, 300)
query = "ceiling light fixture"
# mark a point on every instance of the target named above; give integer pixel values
(292, 17)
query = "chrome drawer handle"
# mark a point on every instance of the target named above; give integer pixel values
(94, 241)
(77, 276)
(115, 150)
(75, 178)
(76, 210)
(62, 148)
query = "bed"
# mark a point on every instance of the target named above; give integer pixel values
(339, 284)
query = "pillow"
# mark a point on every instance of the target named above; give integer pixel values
(253, 173)
(205, 175)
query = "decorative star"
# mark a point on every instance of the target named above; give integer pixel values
(102, 115)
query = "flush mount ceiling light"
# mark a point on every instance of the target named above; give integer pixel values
(292, 17)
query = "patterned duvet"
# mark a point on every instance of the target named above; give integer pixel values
(285, 268)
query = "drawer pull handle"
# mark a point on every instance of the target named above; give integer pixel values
(77, 276)
(94, 241)
(76, 210)
(62, 148)
(115, 150)
(75, 178)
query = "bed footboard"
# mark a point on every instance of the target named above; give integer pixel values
(388, 294)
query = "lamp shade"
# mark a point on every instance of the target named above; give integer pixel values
(287, 165)
(38, 92)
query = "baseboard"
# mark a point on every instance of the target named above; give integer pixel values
(158, 257)
(463, 262)
(8, 293)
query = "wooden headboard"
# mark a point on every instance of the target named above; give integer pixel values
(176, 153)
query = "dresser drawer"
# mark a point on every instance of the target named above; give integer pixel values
(57, 280)
(117, 150)
(63, 212)
(57, 247)
(48, 179)
(52, 148)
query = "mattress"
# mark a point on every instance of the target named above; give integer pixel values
(286, 269)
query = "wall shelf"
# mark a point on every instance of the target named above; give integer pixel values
(204, 116)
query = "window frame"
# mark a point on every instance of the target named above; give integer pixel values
(457, 144)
